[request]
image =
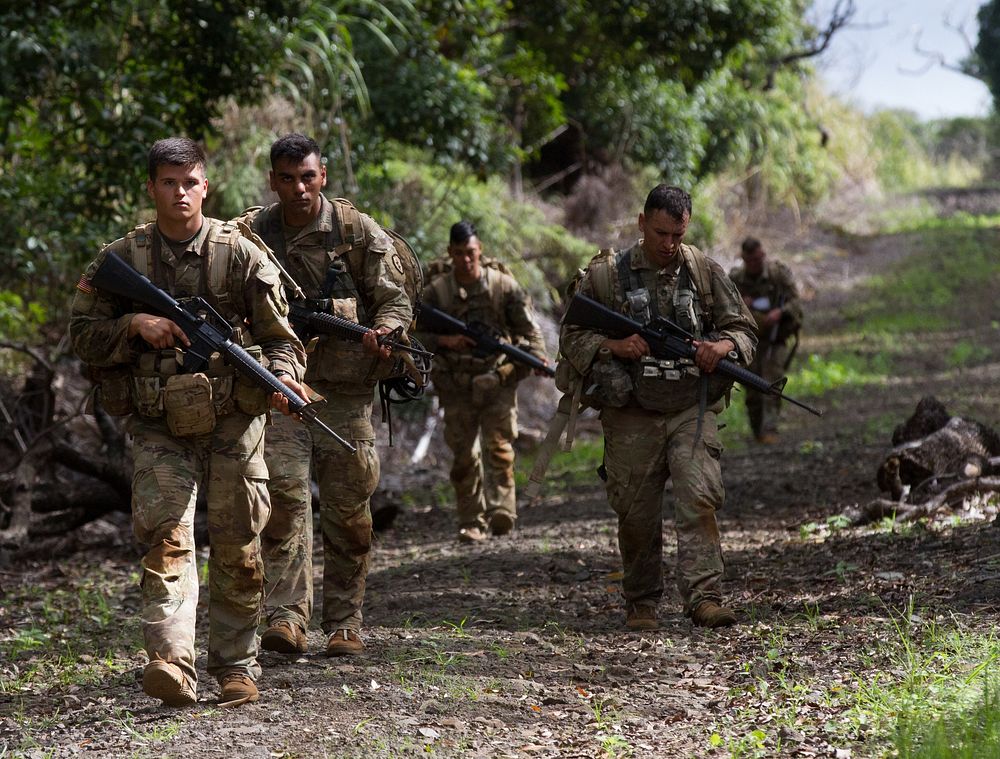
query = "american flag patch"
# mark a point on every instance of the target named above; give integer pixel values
(84, 285)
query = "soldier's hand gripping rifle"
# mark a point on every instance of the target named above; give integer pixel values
(208, 332)
(486, 341)
(309, 322)
(666, 340)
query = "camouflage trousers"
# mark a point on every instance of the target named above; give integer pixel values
(641, 450)
(472, 432)
(346, 482)
(229, 464)
(763, 409)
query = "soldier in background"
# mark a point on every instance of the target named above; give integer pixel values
(769, 290)
(667, 424)
(185, 436)
(478, 392)
(345, 264)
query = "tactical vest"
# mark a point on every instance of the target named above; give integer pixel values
(454, 371)
(155, 385)
(337, 293)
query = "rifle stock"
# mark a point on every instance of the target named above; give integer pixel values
(666, 340)
(208, 332)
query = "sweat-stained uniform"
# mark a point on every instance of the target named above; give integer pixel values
(644, 447)
(774, 285)
(490, 415)
(359, 278)
(169, 468)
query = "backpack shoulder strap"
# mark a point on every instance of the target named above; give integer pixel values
(140, 243)
(348, 230)
(602, 268)
(700, 271)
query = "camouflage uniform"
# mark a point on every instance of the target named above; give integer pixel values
(169, 469)
(367, 288)
(470, 412)
(773, 284)
(643, 448)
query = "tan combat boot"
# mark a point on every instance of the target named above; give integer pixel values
(237, 689)
(285, 638)
(501, 522)
(344, 643)
(471, 534)
(168, 683)
(711, 614)
(641, 617)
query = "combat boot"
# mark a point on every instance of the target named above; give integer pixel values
(344, 643)
(711, 614)
(471, 534)
(168, 683)
(501, 522)
(237, 689)
(285, 638)
(641, 617)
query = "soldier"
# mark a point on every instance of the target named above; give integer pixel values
(660, 428)
(184, 440)
(478, 393)
(347, 265)
(769, 290)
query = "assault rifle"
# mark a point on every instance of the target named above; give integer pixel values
(208, 332)
(487, 341)
(307, 321)
(666, 340)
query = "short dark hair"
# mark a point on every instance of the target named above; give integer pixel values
(673, 200)
(295, 147)
(461, 231)
(750, 244)
(174, 151)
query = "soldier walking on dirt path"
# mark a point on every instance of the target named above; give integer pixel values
(769, 291)
(665, 425)
(345, 264)
(184, 440)
(479, 392)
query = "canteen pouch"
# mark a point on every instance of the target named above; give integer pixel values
(187, 403)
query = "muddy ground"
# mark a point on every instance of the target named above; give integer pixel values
(517, 648)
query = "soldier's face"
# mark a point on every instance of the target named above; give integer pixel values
(662, 235)
(178, 192)
(465, 259)
(298, 185)
(753, 262)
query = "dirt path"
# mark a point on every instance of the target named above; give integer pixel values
(517, 648)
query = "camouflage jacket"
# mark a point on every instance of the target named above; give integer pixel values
(497, 301)
(730, 317)
(767, 290)
(99, 322)
(367, 285)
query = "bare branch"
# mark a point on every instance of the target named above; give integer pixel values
(840, 17)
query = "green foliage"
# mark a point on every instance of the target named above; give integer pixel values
(819, 375)
(961, 734)
(85, 88)
(931, 290)
(422, 200)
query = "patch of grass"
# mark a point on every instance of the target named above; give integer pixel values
(566, 469)
(954, 270)
(967, 353)
(818, 375)
(74, 634)
(958, 734)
